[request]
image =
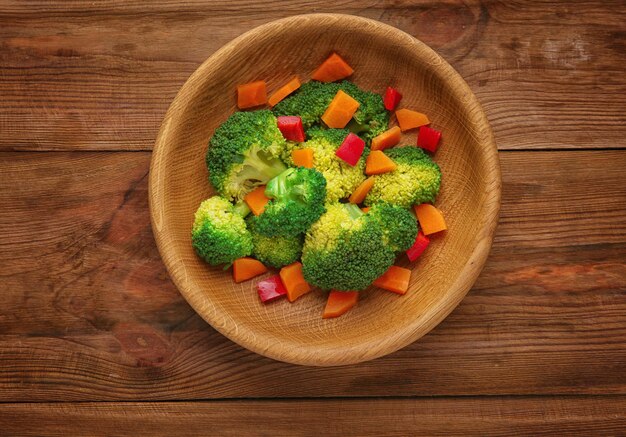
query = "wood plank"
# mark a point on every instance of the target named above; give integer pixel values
(532, 416)
(88, 312)
(100, 75)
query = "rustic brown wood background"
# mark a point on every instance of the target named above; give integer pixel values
(95, 339)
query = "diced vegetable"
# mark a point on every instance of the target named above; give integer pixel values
(251, 94)
(395, 279)
(339, 302)
(408, 119)
(387, 139)
(428, 138)
(430, 218)
(351, 149)
(247, 268)
(271, 289)
(392, 98)
(340, 110)
(332, 69)
(294, 281)
(420, 245)
(361, 191)
(291, 127)
(284, 91)
(365, 209)
(302, 157)
(257, 200)
(377, 163)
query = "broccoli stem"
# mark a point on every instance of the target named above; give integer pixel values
(277, 186)
(353, 210)
(241, 208)
(266, 166)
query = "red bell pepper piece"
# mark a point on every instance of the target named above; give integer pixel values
(428, 138)
(392, 98)
(291, 127)
(271, 289)
(420, 245)
(351, 149)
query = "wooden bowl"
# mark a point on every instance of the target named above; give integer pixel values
(382, 322)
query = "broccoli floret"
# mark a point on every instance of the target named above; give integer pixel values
(415, 180)
(341, 178)
(399, 225)
(313, 97)
(296, 202)
(345, 249)
(274, 251)
(244, 153)
(219, 234)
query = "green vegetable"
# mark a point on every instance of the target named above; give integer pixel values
(399, 225)
(341, 178)
(296, 202)
(313, 97)
(345, 249)
(274, 251)
(219, 234)
(244, 153)
(416, 179)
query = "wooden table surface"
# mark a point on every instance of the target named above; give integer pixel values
(95, 339)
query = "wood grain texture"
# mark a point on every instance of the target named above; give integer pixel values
(469, 196)
(88, 312)
(100, 75)
(532, 416)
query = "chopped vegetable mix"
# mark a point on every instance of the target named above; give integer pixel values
(251, 94)
(291, 127)
(257, 200)
(302, 157)
(340, 111)
(294, 281)
(321, 188)
(271, 289)
(387, 139)
(395, 279)
(284, 91)
(392, 98)
(339, 303)
(247, 268)
(408, 119)
(428, 139)
(359, 194)
(351, 149)
(419, 246)
(378, 163)
(332, 69)
(430, 218)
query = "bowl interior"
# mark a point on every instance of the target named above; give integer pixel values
(382, 322)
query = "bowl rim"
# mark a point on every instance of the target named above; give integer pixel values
(370, 349)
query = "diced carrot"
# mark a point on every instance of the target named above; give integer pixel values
(251, 94)
(332, 69)
(256, 200)
(361, 191)
(294, 281)
(247, 268)
(408, 119)
(284, 91)
(430, 218)
(302, 157)
(387, 139)
(340, 110)
(366, 209)
(395, 279)
(339, 302)
(377, 163)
